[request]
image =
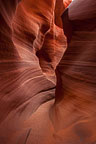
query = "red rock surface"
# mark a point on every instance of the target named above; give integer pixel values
(32, 47)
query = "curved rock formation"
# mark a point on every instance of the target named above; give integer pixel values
(32, 44)
(39, 34)
(26, 31)
(74, 111)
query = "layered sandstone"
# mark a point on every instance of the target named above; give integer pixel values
(34, 108)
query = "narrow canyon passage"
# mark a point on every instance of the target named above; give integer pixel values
(47, 72)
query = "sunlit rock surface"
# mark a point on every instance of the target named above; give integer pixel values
(34, 108)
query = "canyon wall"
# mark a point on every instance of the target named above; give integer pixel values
(47, 72)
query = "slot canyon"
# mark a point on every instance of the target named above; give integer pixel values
(47, 71)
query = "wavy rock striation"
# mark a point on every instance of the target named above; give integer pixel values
(32, 47)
